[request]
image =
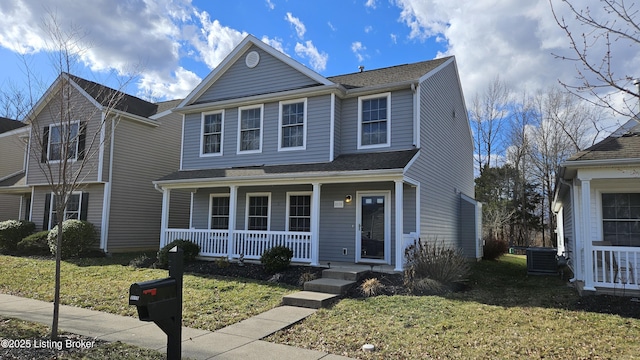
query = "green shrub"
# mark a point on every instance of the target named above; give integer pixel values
(276, 259)
(35, 244)
(494, 248)
(190, 251)
(78, 237)
(12, 231)
(434, 261)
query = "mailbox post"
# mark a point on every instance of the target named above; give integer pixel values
(160, 301)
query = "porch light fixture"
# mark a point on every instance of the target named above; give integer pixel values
(348, 199)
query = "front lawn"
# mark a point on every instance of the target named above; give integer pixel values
(504, 314)
(102, 284)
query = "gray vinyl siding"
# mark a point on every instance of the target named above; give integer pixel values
(317, 147)
(337, 130)
(94, 212)
(401, 123)
(445, 162)
(409, 202)
(568, 226)
(269, 76)
(82, 110)
(13, 150)
(9, 207)
(468, 228)
(143, 153)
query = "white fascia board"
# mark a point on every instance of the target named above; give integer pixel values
(136, 118)
(20, 130)
(599, 163)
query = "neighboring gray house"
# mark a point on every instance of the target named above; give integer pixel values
(139, 142)
(15, 196)
(597, 203)
(347, 168)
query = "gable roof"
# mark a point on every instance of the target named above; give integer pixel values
(624, 143)
(343, 163)
(388, 75)
(7, 124)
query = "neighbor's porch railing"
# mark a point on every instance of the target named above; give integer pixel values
(615, 266)
(247, 242)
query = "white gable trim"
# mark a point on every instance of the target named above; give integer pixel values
(237, 52)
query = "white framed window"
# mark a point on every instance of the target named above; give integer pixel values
(219, 211)
(258, 211)
(374, 121)
(299, 211)
(250, 129)
(212, 130)
(293, 125)
(73, 210)
(58, 136)
(621, 218)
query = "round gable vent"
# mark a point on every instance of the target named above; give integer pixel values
(252, 59)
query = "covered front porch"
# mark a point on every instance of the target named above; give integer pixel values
(354, 220)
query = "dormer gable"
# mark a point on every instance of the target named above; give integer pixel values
(253, 68)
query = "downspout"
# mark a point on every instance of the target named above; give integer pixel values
(575, 240)
(106, 205)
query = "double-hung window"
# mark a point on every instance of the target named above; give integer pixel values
(75, 209)
(250, 129)
(63, 140)
(299, 212)
(374, 121)
(212, 128)
(219, 209)
(293, 119)
(258, 211)
(621, 218)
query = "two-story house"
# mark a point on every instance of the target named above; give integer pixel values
(123, 143)
(15, 196)
(346, 168)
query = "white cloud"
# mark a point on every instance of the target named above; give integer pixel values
(370, 4)
(394, 38)
(357, 48)
(512, 38)
(317, 59)
(275, 43)
(215, 41)
(174, 87)
(271, 5)
(299, 26)
(333, 28)
(368, 29)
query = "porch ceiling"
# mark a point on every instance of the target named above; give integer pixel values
(394, 160)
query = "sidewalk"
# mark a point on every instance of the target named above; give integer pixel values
(237, 341)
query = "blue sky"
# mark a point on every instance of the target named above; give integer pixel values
(174, 44)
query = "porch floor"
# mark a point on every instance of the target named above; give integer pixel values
(346, 266)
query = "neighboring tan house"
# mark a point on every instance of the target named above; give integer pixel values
(347, 168)
(139, 142)
(15, 196)
(597, 203)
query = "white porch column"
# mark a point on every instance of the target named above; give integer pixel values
(585, 204)
(315, 225)
(233, 201)
(164, 222)
(399, 225)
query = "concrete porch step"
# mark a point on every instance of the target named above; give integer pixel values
(343, 274)
(310, 299)
(330, 286)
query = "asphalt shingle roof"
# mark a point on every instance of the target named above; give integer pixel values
(626, 146)
(349, 162)
(9, 124)
(388, 75)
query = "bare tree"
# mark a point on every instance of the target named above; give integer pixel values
(488, 113)
(66, 148)
(598, 39)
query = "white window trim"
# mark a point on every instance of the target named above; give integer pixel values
(240, 109)
(599, 217)
(297, 193)
(211, 196)
(51, 126)
(52, 209)
(359, 135)
(304, 125)
(246, 209)
(204, 114)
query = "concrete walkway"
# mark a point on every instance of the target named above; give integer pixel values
(237, 341)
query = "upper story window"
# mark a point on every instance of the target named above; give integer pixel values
(374, 121)
(250, 129)
(212, 133)
(63, 140)
(621, 219)
(293, 120)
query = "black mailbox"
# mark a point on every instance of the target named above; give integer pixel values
(155, 299)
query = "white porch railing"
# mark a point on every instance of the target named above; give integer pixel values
(247, 242)
(616, 266)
